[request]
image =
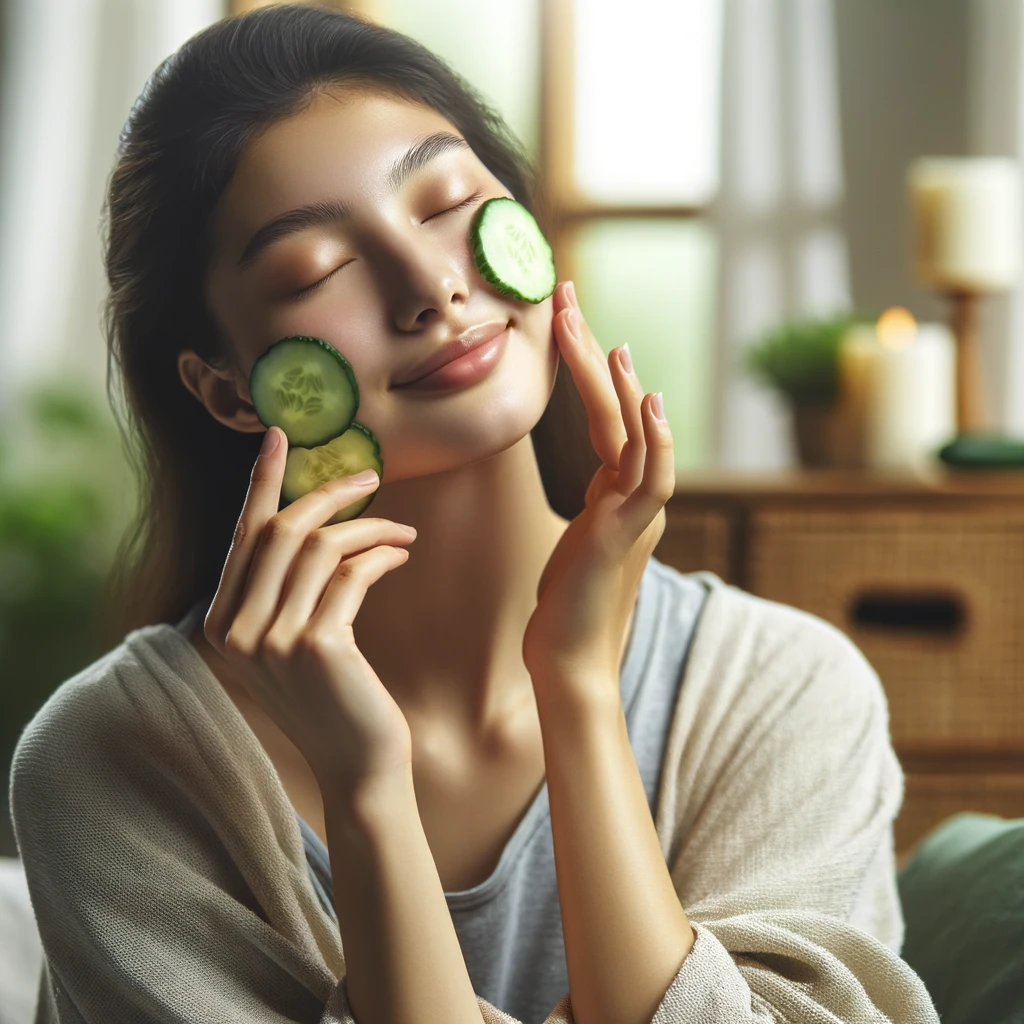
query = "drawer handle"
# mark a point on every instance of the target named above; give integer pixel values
(928, 613)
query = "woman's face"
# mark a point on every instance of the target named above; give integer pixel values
(395, 275)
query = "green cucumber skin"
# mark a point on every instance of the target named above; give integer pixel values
(483, 264)
(357, 508)
(343, 362)
(375, 461)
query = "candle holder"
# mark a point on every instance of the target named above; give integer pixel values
(967, 244)
(972, 414)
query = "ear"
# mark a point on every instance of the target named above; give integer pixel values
(226, 398)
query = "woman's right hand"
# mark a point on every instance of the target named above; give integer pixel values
(283, 615)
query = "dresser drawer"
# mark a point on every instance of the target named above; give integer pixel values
(934, 600)
(931, 797)
(695, 540)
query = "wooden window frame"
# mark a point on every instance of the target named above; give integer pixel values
(564, 209)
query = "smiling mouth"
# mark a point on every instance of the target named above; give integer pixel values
(469, 341)
(471, 367)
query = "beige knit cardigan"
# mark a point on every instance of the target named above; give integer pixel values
(169, 881)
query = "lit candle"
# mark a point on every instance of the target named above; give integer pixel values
(897, 390)
(967, 222)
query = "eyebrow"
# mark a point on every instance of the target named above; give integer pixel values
(327, 210)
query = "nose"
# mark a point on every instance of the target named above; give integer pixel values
(426, 282)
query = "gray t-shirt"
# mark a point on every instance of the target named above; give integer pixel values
(510, 925)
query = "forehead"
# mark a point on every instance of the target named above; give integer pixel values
(340, 145)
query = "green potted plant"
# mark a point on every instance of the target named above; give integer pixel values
(799, 359)
(65, 498)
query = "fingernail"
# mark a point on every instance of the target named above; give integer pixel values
(658, 406)
(270, 442)
(627, 362)
(366, 477)
(571, 292)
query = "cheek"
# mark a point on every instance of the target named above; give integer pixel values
(537, 323)
(355, 331)
(239, 328)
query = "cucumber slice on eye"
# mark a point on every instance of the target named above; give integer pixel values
(351, 452)
(307, 388)
(511, 251)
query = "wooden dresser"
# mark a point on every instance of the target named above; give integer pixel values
(925, 574)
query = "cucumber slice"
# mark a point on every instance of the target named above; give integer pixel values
(307, 388)
(352, 452)
(983, 451)
(511, 251)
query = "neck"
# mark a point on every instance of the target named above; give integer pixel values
(444, 631)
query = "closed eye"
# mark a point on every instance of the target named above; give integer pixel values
(309, 289)
(468, 201)
(317, 284)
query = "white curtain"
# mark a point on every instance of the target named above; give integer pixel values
(779, 209)
(71, 71)
(995, 123)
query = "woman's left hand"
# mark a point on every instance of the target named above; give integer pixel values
(575, 637)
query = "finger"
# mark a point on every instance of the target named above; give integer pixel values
(280, 539)
(658, 484)
(261, 502)
(561, 297)
(315, 565)
(634, 452)
(347, 588)
(589, 369)
(613, 425)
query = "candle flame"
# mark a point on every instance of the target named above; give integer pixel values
(896, 328)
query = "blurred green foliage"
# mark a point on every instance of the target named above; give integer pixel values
(798, 358)
(63, 502)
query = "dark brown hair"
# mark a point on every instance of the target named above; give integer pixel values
(176, 154)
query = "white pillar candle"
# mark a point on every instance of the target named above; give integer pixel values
(897, 384)
(967, 222)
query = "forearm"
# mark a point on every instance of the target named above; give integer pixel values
(626, 934)
(403, 960)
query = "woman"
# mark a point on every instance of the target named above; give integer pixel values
(500, 785)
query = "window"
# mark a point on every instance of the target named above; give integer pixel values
(620, 107)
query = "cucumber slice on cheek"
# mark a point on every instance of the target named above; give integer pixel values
(306, 387)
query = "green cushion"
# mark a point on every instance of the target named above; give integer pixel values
(962, 892)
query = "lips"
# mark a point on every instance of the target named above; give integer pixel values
(471, 339)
